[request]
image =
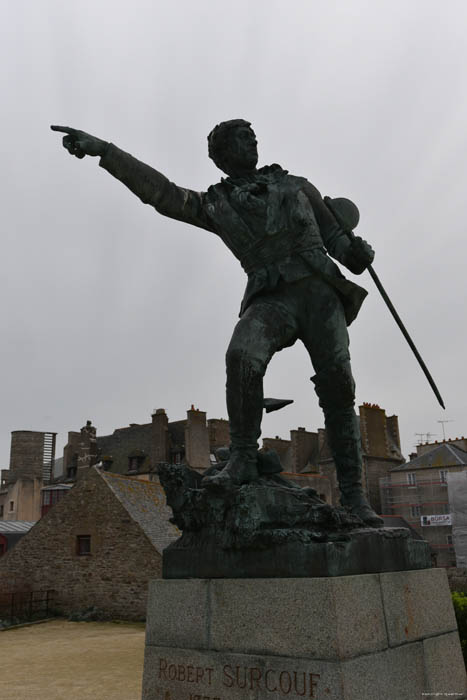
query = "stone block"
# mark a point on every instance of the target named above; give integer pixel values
(394, 674)
(361, 626)
(181, 674)
(444, 664)
(417, 604)
(317, 638)
(326, 618)
(252, 616)
(178, 613)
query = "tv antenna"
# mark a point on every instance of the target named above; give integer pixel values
(427, 437)
(442, 424)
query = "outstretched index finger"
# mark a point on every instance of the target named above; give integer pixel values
(64, 129)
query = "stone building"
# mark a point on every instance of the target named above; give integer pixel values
(137, 449)
(307, 458)
(418, 491)
(381, 451)
(98, 547)
(32, 456)
(11, 531)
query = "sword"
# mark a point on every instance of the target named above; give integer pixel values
(347, 215)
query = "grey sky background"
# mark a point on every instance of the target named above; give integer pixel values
(110, 310)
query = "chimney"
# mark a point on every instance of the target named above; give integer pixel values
(304, 448)
(87, 449)
(373, 430)
(159, 437)
(197, 451)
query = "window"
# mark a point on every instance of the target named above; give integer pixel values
(415, 511)
(1, 511)
(135, 461)
(449, 539)
(443, 476)
(412, 479)
(83, 545)
(72, 469)
(12, 506)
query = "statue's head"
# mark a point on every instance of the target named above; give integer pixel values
(232, 147)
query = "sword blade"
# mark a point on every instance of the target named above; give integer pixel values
(405, 333)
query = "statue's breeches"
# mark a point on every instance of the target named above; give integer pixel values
(309, 310)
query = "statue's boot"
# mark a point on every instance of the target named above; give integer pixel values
(240, 469)
(246, 365)
(344, 440)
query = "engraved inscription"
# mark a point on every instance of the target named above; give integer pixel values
(184, 673)
(293, 683)
(285, 682)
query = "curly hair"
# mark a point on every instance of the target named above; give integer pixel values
(218, 141)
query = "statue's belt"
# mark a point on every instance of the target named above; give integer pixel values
(252, 262)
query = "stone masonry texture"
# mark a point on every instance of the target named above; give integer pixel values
(114, 577)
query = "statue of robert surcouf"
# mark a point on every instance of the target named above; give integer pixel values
(283, 233)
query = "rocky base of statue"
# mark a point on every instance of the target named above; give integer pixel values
(390, 636)
(273, 528)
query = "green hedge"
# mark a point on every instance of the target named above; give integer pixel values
(460, 608)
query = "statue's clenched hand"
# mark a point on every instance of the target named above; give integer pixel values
(79, 143)
(359, 255)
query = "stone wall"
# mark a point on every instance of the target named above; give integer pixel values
(22, 500)
(113, 577)
(283, 449)
(160, 447)
(26, 454)
(218, 430)
(305, 449)
(197, 450)
(373, 430)
(457, 579)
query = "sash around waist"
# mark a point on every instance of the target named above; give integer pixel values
(255, 259)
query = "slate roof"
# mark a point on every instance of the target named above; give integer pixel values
(23, 526)
(14, 530)
(440, 456)
(145, 503)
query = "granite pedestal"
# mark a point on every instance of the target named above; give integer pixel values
(382, 636)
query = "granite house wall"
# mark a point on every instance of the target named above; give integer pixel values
(113, 577)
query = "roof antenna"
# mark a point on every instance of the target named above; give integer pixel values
(442, 424)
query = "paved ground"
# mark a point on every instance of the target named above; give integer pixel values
(63, 660)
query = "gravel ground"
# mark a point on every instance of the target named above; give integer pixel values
(63, 660)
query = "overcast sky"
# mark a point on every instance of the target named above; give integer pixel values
(110, 310)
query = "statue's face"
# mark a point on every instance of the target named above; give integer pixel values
(243, 150)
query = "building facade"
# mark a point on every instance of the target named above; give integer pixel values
(418, 491)
(32, 456)
(136, 450)
(98, 547)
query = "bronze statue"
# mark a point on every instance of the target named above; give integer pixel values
(283, 233)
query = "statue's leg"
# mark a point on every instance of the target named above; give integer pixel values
(266, 327)
(326, 338)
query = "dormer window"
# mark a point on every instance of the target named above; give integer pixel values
(135, 461)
